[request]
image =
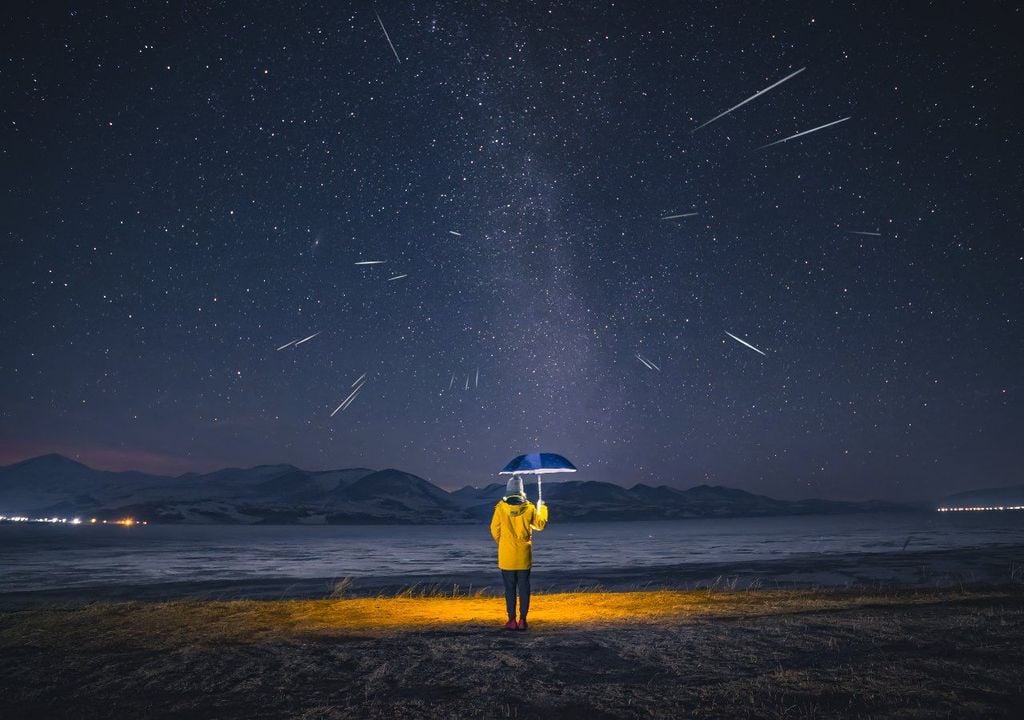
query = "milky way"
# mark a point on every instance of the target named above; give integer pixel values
(189, 193)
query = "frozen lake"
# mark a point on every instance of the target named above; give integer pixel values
(258, 561)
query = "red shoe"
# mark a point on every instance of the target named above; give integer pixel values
(521, 625)
(511, 625)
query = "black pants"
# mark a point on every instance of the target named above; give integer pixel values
(517, 580)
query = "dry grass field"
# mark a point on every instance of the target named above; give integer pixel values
(664, 654)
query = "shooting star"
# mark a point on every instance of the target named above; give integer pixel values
(647, 363)
(286, 345)
(467, 383)
(805, 132)
(307, 339)
(676, 217)
(388, 37)
(744, 342)
(397, 277)
(758, 94)
(351, 399)
(863, 232)
(371, 262)
(358, 381)
(347, 401)
(452, 383)
(456, 234)
(344, 406)
(476, 384)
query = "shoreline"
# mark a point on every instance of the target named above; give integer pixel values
(989, 565)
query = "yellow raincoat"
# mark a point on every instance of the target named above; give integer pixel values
(512, 528)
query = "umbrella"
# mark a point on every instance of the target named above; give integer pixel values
(538, 464)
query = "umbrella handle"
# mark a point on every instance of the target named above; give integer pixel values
(540, 496)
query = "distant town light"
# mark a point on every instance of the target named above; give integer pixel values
(981, 509)
(126, 522)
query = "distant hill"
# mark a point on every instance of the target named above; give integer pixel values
(55, 485)
(986, 497)
(582, 501)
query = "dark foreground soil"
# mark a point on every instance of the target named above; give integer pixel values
(758, 654)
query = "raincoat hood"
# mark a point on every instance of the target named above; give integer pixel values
(514, 487)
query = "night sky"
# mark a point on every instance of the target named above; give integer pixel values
(185, 189)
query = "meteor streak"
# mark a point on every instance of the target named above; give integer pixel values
(388, 37)
(676, 217)
(744, 342)
(647, 363)
(286, 345)
(347, 401)
(752, 97)
(358, 381)
(307, 339)
(863, 232)
(352, 399)
(397, 277)
(805, 132)
(371, 262)
(456, 234)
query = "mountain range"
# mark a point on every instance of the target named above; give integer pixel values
(53, 485)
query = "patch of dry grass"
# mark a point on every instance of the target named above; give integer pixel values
(591, 654)
(254, 621)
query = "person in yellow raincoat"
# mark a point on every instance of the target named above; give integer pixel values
(512, 525)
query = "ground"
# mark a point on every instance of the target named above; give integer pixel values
(703, 654)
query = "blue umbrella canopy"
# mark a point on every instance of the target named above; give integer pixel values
(537, 464)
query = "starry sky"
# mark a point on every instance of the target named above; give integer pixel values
(186, 188)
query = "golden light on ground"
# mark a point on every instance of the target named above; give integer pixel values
(555, 609)
(547, 611)
(726, 653)
(165, 624)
